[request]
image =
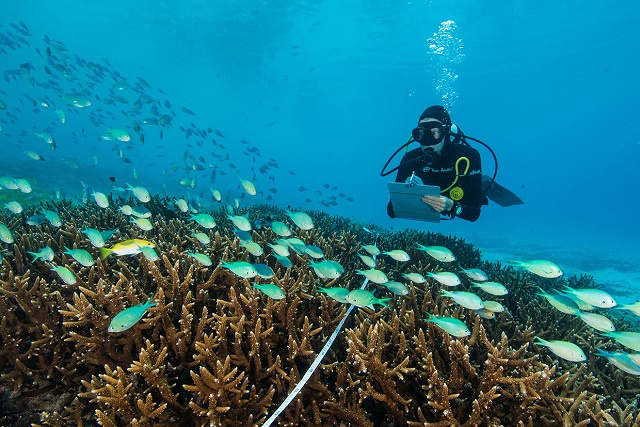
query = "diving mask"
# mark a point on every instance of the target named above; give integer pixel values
(429, 132)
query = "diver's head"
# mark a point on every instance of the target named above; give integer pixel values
(433, 128)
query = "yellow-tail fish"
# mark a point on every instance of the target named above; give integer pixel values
(126, 247)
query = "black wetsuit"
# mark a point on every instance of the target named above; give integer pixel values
(440, 170)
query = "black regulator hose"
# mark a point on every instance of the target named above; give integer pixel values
(382, 172)
(458, 137)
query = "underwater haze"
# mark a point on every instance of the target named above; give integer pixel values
(329, 89)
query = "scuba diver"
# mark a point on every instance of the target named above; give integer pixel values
(445, 159)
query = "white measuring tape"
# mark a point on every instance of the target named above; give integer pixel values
(312, 368)
(316, 362)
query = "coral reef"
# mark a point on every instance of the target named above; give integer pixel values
(216, 351)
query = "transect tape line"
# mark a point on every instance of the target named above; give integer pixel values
(313, 366)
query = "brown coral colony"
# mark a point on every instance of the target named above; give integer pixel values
(217, 349)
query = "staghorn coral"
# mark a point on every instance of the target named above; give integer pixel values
(215, 351)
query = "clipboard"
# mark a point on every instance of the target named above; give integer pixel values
(406, 201)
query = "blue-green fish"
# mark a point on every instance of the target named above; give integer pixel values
(283, 260)
(493, 288)
(475, 274)
(14, 207)
(414, 277)
(396, 288)
(621, 360)
(465, 299)
(368, 261)
(445, 278)
(597, 321)
(205, 220)
(398, 255)
(628, 339)
(596, 297)
(270, 290)
(107, 234)
(80, 255)
(253, 248)
(36, 220)
(450, 325)
(438, 252)
(65, 274)
(567, 350)
(140, 212)
(634, 308)
(243, 236)
(371, 249)
(129, 316)
(327, 269)
(202, 238)
(540, 267)
(364, 298)
(95, 237)
(280, 228)
(45, 254)
(142, 223)
(562, 303)
(301, 219)
(201, 258)
(493, 306)
(141, 193)
(240, 268)
(5, 234)
(376, 276)
(279, 249)
(337, 293)
(264, 271)
(241, 222)
(149, 253)
(313, 251)
(52, 217)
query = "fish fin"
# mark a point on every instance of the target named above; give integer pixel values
(104, 253)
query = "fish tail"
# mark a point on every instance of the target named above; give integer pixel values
(540, 341)
(104, 253)
(542, 291)
(514, 263)
(601, 352)
(149, 302)
(35, 256)
(431, 317)
(383, 301)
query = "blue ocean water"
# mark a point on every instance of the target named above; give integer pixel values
(329, 89)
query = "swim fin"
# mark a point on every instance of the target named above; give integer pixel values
(497, 193)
